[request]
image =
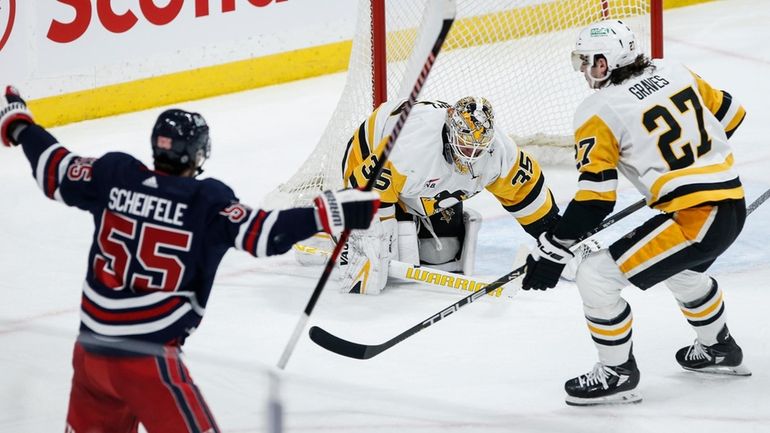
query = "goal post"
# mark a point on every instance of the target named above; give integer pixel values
(515, 53)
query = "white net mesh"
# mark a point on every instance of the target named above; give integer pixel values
(513, 52)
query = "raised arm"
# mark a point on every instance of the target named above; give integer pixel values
(60, 174)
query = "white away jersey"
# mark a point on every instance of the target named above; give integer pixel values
(666, 131)
(423, 181)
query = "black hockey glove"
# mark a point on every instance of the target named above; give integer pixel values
(13, 113)
(345, 209)
(546, 263)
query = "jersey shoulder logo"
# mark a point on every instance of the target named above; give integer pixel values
(81, 169)
(235, 212)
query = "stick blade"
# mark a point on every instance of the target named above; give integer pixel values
(338, 345)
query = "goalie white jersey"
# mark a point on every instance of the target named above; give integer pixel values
(666, 131)
(422, 178)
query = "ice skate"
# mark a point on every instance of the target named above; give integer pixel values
(605, 385)
(724, 357)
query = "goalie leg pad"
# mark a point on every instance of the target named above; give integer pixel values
(472, 220)
(315, 250)
(364, 261)
(408, 248)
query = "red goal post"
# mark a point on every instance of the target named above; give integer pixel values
(513, 52)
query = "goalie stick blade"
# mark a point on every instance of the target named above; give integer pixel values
(340, 346)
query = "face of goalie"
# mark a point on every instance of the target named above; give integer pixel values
(471, 130)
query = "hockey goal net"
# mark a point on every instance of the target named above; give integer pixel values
(513, 52)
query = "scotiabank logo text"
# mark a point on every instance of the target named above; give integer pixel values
(122, 20)
(7, 15)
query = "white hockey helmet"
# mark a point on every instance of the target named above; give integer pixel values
(613, 39)
(470, 124)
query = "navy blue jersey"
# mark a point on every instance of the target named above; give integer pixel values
(157, 240)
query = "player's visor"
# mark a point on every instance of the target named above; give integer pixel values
(580, 59)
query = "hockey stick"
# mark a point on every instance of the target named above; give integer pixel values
(445, 10)
(364, 351)
(755, 204)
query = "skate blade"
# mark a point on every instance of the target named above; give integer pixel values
(739, 370)
(626, 397)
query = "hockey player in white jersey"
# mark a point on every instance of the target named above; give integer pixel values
(444, 155)
(666, 130)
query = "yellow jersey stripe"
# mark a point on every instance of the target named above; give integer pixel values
(696, 198)
(587, 195)
(736, 120)
(370, 126)
(712, 98)
(662, 180)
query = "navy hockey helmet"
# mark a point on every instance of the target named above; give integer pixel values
(180, 140)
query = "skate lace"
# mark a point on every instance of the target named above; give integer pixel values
(697, 352)
(599, 374)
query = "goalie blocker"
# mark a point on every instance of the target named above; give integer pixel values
(444, 241)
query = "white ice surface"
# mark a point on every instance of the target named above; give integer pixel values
(496, 365)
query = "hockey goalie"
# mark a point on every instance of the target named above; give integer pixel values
(444, 155)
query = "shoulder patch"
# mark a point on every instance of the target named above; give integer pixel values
(235, 212)
(80, 169)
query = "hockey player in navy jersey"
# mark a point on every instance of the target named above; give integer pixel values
(159, 237)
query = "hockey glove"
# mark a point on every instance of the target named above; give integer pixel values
(545, 263)
(345, 209)
(13, 113)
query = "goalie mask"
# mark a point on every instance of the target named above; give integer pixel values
(470, 128)
(180, 140)
(611, 39)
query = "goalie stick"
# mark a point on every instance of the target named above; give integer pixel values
(424, 275)
(445, 10)
(364, 351)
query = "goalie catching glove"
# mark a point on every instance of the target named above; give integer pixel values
(13, 113)
(346, 209)
(546, 263)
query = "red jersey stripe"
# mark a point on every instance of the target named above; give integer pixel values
(52, 171)
(253, 233)
(156, 312)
